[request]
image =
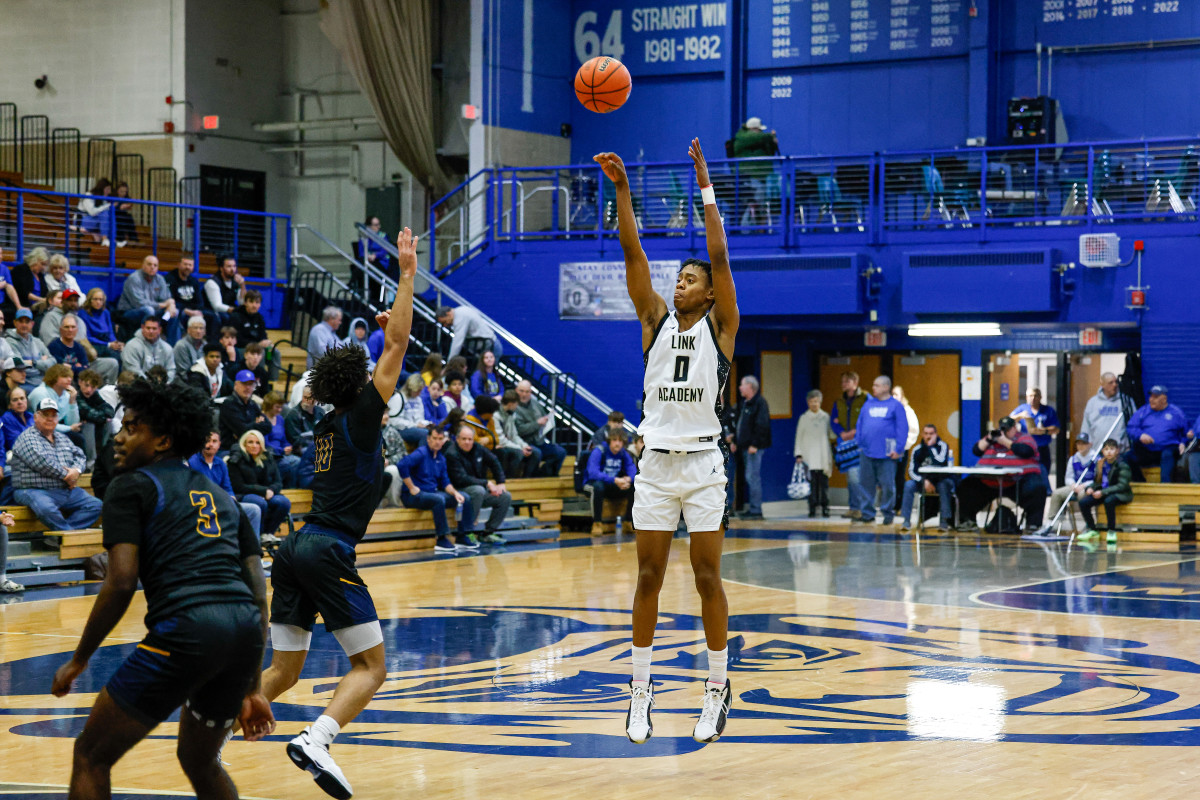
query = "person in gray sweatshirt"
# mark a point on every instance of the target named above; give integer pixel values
(1102, 409)
(25, 345)
(147, 348)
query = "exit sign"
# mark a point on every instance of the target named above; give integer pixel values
(211, 122)
(875, 338)
(1090, 337)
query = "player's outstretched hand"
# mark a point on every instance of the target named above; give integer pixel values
(406, 246)
(256, 718)
(613, 167)
(65, 677)
(701, 165)
(382, 319)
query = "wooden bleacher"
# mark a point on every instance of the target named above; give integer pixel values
(1153, 516)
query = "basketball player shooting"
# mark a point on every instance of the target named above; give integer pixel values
(687, 353)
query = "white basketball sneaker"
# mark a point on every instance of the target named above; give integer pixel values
(315, 760)
(714, 712)
(637, 722)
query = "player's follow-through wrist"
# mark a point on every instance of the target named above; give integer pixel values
(708, 195)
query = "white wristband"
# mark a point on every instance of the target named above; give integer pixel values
(709, 196)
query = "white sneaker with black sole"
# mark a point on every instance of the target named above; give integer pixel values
(316, 761)
(637, 720)
(714, 712)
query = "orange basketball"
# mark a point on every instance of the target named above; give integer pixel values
(602, 84)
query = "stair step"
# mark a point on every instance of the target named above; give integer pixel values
(18, 549)
(47, 576)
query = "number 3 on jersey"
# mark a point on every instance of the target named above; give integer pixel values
(682, 364)
(206, 514)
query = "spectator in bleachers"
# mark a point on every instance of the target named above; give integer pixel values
(92, 218)
(469, 465)
(456, 395)
(300, 421)
(25, 345)
(616, 421)
(453, 422)
(16, 419)
(7, 585)
(27, 278)
(467, 323)
(812, 447)
(225, 290)
(249, 322)
(410, 420)
(147, 349)
(1007, 446)
(358, 337)
(207, 463)
(58, 383)
(145, 294)
(1109, 404)
(1109, 488)
(8, 298)
(123, 213)
(610, 475)
(1080, 470)
(753, 140)
(485, 381)
(844, 422)
(752, 437)
(1039, 421)
(100, 329)
(375, 344)
(6, 351)
(231, 357)
(252, 360)
(52, 303)
(459, 364)
(431, 398)
(189, 295)
(239, 412)
(59, 276)
(47, 326)
(94, 412)
(432, 368)
(214, 373)
(14, 378)
(46, 468)
(533, 423)
(481, 422)
(277, 441)
(932, 452)
(1158, 433)
(67, 350)
(424, 483)
(374, 254)
(255, 478)
(323, 335)
(190, 348)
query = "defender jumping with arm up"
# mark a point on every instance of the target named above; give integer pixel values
(687, 353)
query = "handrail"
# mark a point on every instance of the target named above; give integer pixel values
(136, 201)
(445, 290)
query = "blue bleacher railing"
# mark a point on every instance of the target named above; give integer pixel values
(862, 199)
(260, 241)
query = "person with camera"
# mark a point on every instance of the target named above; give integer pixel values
(1006, 446)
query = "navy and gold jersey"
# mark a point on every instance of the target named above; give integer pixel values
(348, 466)
(191, 537)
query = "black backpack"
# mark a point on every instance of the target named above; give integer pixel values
(580, 473)
(1003, 521)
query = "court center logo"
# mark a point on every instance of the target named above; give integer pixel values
(552, 682)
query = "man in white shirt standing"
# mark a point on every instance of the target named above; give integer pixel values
(468, 323)
(225, 290)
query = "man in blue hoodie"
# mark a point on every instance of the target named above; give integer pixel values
(882, 430)
(427, 486)
(610, 473)
(1158, 433)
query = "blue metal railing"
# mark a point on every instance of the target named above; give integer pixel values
(260, 241)
(860, 198)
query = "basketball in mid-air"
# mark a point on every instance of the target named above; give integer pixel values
(602, 84)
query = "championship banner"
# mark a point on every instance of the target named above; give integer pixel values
(596, 289)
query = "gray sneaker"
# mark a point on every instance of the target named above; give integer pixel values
(10, 586)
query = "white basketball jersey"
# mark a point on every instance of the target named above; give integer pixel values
(685, 378)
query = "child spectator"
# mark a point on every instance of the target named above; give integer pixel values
(616, 421)
(481, 418)
(230, 357)
(431, 397)
(1110, 488)
(456, 395)
(410, 419)
(94, 412)
(248, 322)
(358, 338)
(610, 474)
(517, 457)
(213, 371)
(252, 359)
(432, 368)
(485, 381)
(1080, 471)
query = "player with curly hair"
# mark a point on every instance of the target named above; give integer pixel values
(197, 556)
(314, 570)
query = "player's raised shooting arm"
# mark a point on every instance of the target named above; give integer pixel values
(397, 323)
(725, 311)
(648, 304)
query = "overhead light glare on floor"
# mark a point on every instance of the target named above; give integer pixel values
(955, 329)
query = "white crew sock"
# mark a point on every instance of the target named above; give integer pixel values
(717, 662)
(641, 664)
(324, 730)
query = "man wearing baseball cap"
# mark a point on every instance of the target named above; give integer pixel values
(1007, 446)
(1157, 433)
(239, 412)
(46, 467)
(753, 140)
(25, 345)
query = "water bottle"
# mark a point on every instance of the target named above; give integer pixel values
(618, 526)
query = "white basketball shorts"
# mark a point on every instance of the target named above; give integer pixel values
(668, 483)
